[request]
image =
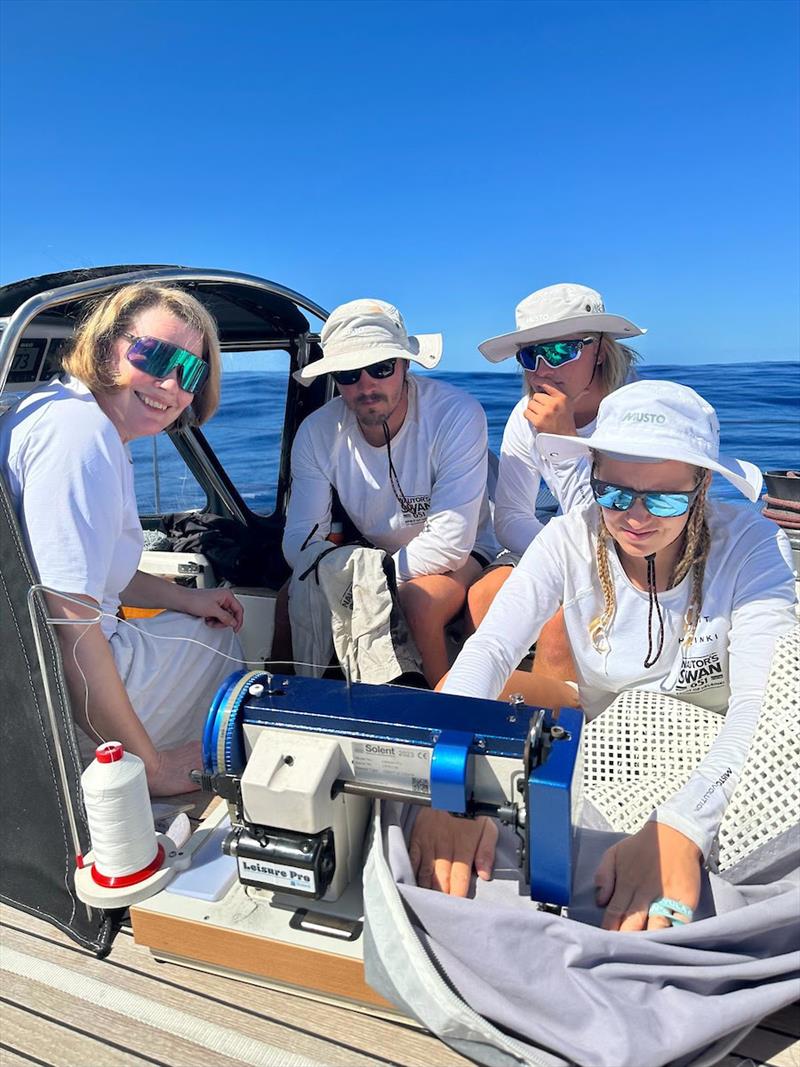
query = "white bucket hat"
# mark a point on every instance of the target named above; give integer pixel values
(559, 311)
(363, 332)
(648, 421)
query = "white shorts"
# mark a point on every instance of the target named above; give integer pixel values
(171, 681)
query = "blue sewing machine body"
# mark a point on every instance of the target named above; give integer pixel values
(298, 759)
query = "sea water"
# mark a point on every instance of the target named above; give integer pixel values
(758, 408)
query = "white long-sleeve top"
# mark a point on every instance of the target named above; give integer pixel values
(522, 469)
(748, 603)
(440, 455)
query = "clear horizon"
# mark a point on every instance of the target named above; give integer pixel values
(509, 367)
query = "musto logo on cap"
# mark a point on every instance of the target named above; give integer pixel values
(644, 416)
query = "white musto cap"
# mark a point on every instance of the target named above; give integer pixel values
(363, 332)
(648, 421)
(559, 311)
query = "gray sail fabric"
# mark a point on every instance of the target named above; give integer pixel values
(570, 992)
(505, 983)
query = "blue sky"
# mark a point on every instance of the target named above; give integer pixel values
(448, 157)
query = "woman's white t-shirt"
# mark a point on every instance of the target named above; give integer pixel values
(748, 602)
(71, 482)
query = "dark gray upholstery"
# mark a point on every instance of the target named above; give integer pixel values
(38, 858)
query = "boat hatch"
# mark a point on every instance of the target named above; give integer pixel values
(236, 466)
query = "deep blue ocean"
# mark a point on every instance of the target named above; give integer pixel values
(758, 408)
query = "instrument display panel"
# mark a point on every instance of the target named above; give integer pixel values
(37, 359)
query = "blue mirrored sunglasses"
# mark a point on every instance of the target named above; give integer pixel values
(622, 498)
(159, 358)
(554, 353)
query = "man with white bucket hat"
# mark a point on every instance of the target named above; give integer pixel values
(407, 457)
(663, 590)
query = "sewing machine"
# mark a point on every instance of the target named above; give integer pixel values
(299, 759)
(298, 762)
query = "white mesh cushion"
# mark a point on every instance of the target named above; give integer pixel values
(643, 748)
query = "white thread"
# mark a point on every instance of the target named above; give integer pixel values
(115, 794)
(100, 614)
(119, 814)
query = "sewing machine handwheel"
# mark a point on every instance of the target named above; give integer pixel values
(223, 739)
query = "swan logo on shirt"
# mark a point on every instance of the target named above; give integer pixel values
(415, 509)
(701, 672)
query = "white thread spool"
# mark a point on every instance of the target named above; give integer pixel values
(120, 818)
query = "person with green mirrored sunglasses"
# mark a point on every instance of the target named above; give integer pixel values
(159, 358)
(572, 354)
(146, 359)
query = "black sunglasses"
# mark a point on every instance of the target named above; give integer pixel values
(384, 369)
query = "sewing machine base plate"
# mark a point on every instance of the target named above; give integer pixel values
(255, 937)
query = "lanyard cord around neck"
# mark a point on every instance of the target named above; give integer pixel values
(652, 593)
(394, 480)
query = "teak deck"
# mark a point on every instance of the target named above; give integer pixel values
(62, 1006)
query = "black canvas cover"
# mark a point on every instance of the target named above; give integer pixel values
(241, 554)
(38, 856)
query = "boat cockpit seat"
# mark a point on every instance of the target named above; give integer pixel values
(42, 820)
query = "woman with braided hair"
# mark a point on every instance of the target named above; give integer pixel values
(663, 589)
(696, 542)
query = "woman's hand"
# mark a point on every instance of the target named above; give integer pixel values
(551, 411)
(168, 774)
(656, 862)
(219, 607)
(444, 849)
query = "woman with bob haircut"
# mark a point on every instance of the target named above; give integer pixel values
(571, 353)
(146, 359)
(655, 581)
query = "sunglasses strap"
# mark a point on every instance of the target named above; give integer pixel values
(652, 595)
(596, 358)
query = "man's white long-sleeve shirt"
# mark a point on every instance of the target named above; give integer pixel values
(440, 456)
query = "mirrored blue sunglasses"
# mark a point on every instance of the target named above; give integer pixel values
(159, 358)
(663, 505)
(554, 353)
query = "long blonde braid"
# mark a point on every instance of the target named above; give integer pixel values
(695, 553)
(696, 546)
(598, 627)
